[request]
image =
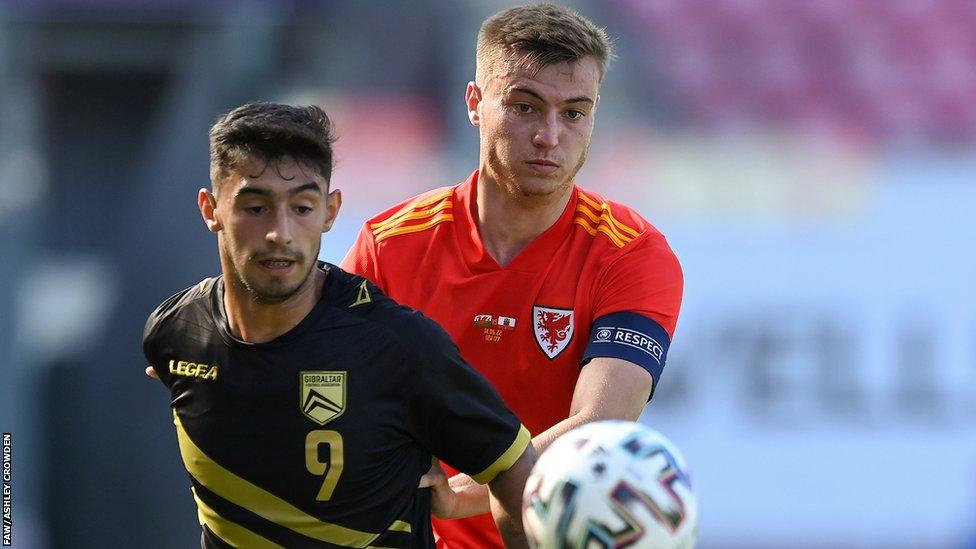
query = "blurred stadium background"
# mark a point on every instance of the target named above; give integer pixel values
(813, 164)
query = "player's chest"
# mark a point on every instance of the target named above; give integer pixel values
(310, 423)
(318, 380)
(535, 318)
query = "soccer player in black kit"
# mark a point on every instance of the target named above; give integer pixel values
(307, 404)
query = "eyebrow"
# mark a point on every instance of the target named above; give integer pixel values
(311, 186)
(533, 93)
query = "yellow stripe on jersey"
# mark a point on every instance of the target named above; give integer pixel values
(506, 460)
(406, 229)
(417, 214)
(401, 526)
(606, 209)
(409, 211)
(397, 526)
(602, 228)
(234, 534)
(243, 493)
(602, 221)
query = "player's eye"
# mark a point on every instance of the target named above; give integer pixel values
(523, 108)
(574, 114)
(253, 210)
(303, 210)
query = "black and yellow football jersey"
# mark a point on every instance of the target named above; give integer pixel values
(319, 437)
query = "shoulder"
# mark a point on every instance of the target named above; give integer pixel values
(414, 215)
(186, 305)
(362, 299)
(620, 224)
(618, 227)
(632, 266)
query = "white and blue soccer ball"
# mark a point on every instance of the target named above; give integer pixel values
(610, 484)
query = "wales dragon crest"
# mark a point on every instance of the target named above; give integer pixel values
(553, 329)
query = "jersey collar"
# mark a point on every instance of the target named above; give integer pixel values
(533, 258)
(223, 327)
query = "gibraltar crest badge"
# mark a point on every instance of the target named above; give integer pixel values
(553, 329)
(322, 395)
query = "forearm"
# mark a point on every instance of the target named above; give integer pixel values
(505, 499)
(509, 523)
(545, 438)
(473, 497)
(583, 416)
(607, 389)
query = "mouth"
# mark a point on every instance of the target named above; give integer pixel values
(542, 165)
(277, 265)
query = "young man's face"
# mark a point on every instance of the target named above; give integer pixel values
(269, 218)
(536, 126)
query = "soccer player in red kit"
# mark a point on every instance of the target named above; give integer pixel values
(564, 300)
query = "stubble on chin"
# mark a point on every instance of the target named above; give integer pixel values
(535, 185)
(274, 292)
(540, 191)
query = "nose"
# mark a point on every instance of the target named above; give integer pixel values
(280, 231)
(547, 133)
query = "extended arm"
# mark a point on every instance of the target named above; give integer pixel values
(506, 499)
(608, 388)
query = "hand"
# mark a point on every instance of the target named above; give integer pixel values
(443, 501)
(151, 372)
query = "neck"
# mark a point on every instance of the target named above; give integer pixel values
(255, 321)
(510, 223)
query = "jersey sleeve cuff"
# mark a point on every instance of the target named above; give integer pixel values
(632, 337)
(507, 459)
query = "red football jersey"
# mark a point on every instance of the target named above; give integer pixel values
(600, 282)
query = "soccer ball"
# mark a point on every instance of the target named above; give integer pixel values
(610, 484)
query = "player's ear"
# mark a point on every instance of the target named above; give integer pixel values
(207, 203)
(332, 204)
(472, 98)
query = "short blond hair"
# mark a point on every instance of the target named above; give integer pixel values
(534, 36)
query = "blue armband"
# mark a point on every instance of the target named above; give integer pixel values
(632, 337)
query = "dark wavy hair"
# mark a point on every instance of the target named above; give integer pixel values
(268, 132)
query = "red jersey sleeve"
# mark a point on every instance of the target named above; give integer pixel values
(636, 306)
(404, 218)
(645, 279)
(361, 257)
